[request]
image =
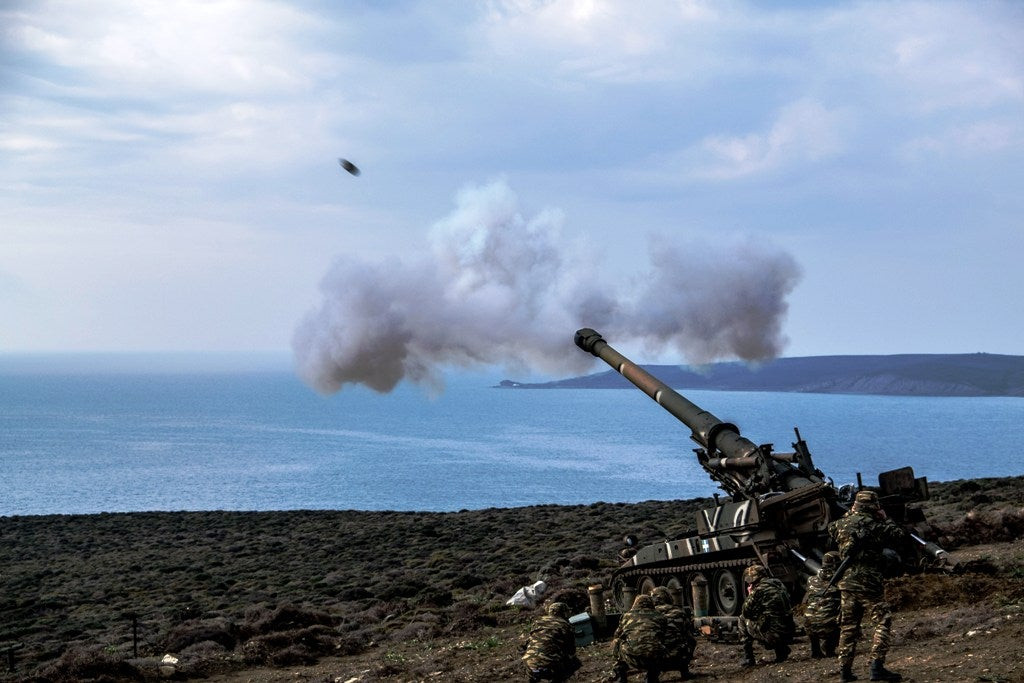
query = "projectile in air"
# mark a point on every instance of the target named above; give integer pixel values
(349, 166)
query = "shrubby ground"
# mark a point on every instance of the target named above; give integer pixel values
(387, 596)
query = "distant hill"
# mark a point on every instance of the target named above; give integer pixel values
(967, 374)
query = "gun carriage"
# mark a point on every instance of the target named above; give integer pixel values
(777, 514)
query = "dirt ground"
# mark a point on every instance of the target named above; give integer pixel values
(967, 627)
(358, 597)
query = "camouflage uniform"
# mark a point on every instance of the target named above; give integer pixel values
(639, 641)
(766, 616)
(864, 533)
(679, 638)
(551, 650)
(821, 609)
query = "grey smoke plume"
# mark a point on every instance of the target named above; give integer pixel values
(499, 288)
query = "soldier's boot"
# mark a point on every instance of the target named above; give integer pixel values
(846, 673)
(620, 674)
(748, 654)
(781, 653)
(684, 672)
(830, 644)
(880, 673)
(816, 652)
(652, 677)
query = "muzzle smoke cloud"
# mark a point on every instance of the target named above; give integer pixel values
(500, 288)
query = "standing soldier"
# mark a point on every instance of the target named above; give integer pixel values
(766, 615)
(551, 650)
(679, 639)
(862, 534)
(639, 641)
(821, 612)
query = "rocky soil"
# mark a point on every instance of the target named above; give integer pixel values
(358, 597)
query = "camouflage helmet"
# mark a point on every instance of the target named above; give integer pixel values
(643, 602)
(831, 560)
(661, 596)
(559, 609)
(866, 501)
(754, 573)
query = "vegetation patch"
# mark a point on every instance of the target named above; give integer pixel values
(105, 597)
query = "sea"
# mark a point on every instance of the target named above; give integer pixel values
(127, 438)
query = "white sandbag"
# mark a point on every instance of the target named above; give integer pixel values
(527, 596)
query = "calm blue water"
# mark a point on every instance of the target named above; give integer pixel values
(264, 441)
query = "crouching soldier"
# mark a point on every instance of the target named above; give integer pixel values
(679, 638)
(766, 616)
(551, 650)
(639, 641)
(821, 611)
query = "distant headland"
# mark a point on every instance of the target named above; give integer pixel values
(966, 374)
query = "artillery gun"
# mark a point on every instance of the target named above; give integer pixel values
(778, 513)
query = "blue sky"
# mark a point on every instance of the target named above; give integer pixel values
(169, 175)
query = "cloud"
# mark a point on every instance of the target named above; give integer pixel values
(955, 56)
(158, 47)
(803, 133)
(602, 40)
(983, 138)
(666, 116)
(125, 94)
(920, 58)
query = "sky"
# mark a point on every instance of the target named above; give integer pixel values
(169, 179)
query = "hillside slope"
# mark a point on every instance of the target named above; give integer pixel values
(409, 596)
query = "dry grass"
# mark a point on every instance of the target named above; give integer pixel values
(227, 590)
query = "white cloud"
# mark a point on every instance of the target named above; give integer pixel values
(804, 132)
(930, 57)
(665, 116)
(603, 40)
(976, 139)
(204, 89)
(946, 73)
(25, 143)
(223, 47)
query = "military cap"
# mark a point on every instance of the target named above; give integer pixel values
(661, 596)
(559, 609)
(643, 602)
(866, 500)
(754, 573)
(831, 560)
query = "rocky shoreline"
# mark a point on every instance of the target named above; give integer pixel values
(103, 597)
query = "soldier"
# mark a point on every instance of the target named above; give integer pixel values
(629, 549)
(551, 650)
(766, 615)
(679, 639)
(862, 534)
(821, 611)
(639, 641)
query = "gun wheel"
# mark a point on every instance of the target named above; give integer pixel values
(726, 592)
(675, 585)
(619, 597)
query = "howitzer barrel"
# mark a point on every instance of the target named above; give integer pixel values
(714, 435)
(708, 430)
